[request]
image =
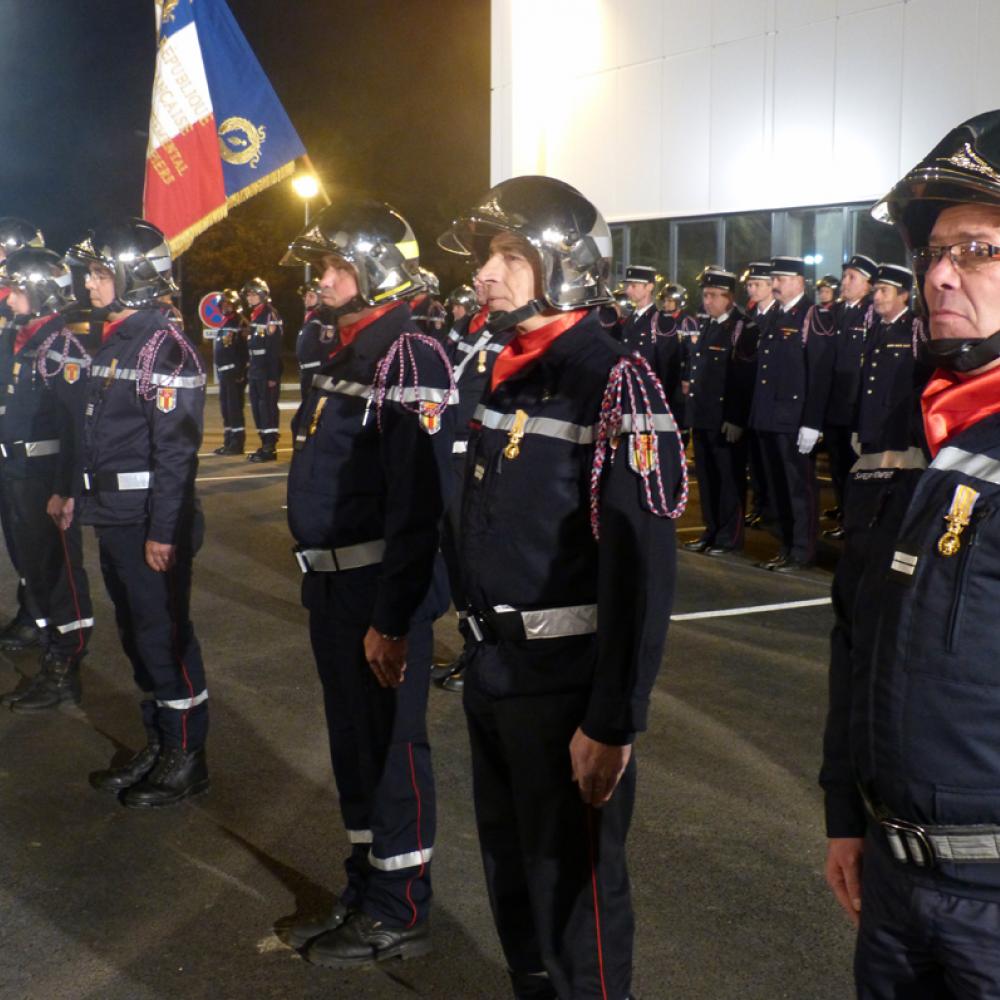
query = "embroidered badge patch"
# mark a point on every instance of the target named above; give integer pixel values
(643, 456)
(430, 419)
(71, 372)
(327, 333)
(166, 399)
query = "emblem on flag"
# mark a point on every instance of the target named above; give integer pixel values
(166, 399)
(240, 141)
(71, 372)
(430, 419)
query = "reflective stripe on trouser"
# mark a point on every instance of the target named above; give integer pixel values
(264, 404)
(920, 940)
(791, 483)
(378, 748)
(231, 403)
(51, 564)
(572, 918)
(152, 611)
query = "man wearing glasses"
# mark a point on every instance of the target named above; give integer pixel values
(911, 757)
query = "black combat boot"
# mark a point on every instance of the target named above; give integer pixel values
(117, 779)
(300, 933)
(238, 443)
(360, 940)
(265, 453)
(225, 448)
(177, 775)
(56, 683)
(19, 634)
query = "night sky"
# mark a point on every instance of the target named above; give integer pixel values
(389, 96)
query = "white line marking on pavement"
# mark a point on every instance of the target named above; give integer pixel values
(223, 479)
(756, 609)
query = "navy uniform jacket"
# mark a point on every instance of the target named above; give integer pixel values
(780, 390)
(527, 541)
(314, 343)
(654, 335)
(925, 699)
(891, 382)
(264, 343)
(229, 351)
(351, 482)
(821, 358)
(143, 425)
(41, 408)
(429, 316)
(720, 375)
(842, 405)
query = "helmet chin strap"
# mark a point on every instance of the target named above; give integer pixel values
(330, 314)
(497, 322)
(963, 355)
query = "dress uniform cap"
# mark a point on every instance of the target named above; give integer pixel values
(963, 167)
(715, 277)
(859, 262)
(374, 238)
(757, 269)
(788, 265)
(639, 272)
(569, 233)
(894, 274)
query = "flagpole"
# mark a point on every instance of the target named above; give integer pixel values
(307, 160)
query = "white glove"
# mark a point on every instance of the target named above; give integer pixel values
(855, 442)
(731, 432)
(808, 439)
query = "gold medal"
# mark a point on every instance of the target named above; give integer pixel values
(513, 447)
(481, 366)
(317, 413)
(958, 518)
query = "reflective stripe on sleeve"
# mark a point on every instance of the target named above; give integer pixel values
(912, 458)
(575, 433)
(341, 387)
(132, 375)
(421, 394)
(967, 462)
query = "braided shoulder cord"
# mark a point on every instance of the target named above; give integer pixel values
(402, 349)
(816, 325)
(69, 340)
(146, 361)
(919, 334)
(658, 330)
(625, 386)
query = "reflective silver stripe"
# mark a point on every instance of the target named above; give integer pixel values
(575, 433)
(33, 449)
(556, 623)
(76, 626)
(421, 394)
(912, 458)
(460, 447)
(310, 364)
(269, 430)
(224, 368)
(3, 410)
(134, 480)
(341, 386)
(337, 560)
(969, 463)
(475, 348)
(484, 338)
(972, 846)
(359, 836)
(903, 563)
(259, 353)
(182, 704)
(240, 429)
(40, 622)
(132, 375)
(413, 859)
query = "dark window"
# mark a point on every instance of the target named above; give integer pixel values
(876, 239)
(748, 237)
(697, 246)
(649, 244)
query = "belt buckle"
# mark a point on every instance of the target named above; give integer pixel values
(913, 841)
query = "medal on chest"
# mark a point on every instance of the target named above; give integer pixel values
(957, 518)
(513, 447)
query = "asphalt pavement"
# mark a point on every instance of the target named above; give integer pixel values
(726, 849)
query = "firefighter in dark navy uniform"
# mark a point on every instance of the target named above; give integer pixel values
(229, 353)
(719, 381)
(575, 471)
(845, 378)
(367, 488)
(315, 339)
(264, 367)
(911, 761)
(142, 430)
(761, 310)
(473, 354)
(40, 459)
(778, 404)
(654, 335)
(428, 313)
(20, 632)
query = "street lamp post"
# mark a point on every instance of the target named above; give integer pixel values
(306, 187)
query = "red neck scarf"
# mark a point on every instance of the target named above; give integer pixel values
(478, 321)
(346, 335)
(257, 310)
(28, 331)
(110, 328)
(528, 347)
(951, 404)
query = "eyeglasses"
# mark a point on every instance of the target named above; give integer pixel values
(965, 256)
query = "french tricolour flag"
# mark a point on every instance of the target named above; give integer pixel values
(217, 132)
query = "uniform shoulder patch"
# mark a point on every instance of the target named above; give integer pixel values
(166, 399)
(71, 372)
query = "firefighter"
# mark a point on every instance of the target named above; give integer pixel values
(264, 367)
(230, 356)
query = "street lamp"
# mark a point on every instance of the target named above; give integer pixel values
(306, 186)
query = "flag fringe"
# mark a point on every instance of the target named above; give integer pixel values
(265, 182)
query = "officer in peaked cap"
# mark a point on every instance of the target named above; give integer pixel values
(719, 379)
(778, 405)
(911, 758)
